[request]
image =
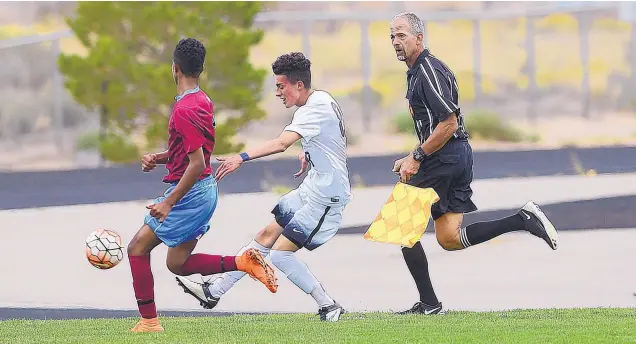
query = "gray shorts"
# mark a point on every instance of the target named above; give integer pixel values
(305, 223)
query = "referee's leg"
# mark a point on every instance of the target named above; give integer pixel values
(417, 263)
(455, 200)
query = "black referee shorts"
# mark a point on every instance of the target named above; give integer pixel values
(449, 172)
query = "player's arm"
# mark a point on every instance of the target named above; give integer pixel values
(304, 125)
(275, 146)
(442, 133)
(161, 158)
(434, 86)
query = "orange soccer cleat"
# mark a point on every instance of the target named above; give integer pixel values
(147, 325)
(253, 263)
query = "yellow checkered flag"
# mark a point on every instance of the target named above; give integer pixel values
(404, 217)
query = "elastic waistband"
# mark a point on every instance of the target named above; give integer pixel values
(207, 181)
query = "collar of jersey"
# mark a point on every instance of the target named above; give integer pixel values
(419, 60)
(190, 91)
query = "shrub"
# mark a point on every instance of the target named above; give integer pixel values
(403, 123)
(489, 126)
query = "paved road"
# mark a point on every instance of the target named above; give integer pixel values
(125, 183)
(590, 269)
(604, 213)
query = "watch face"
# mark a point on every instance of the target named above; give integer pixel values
(417, 156)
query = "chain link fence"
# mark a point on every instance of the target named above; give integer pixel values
(549, 60)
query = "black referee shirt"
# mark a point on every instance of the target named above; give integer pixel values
(433, 95)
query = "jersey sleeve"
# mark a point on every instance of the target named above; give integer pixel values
(193, 137)
(305, 122)
(434, 86)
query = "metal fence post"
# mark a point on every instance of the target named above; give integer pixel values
(477, 58)
(365, 54)
(531, 69)
(425, 29)
(584, 37)
(56, 93)
(306, 37)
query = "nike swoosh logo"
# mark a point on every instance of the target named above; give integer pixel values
(526, 214)
(429, 311)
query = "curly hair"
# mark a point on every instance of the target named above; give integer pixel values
(295, 66)
(189, 55)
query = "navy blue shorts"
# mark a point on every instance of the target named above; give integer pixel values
(449, 172)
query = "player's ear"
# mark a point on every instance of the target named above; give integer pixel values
(420, 38)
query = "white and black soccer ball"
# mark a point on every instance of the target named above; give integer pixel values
(104, 248)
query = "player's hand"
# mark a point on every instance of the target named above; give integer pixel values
(228, 165)
(148, 162)
(408, 169)
(397, 164)
(159, 210)
(303, 165)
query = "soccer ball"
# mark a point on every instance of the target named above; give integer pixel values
(104, 249)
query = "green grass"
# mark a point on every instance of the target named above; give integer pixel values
(525, 326)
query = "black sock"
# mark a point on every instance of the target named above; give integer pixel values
(483, 231)
(415, 259)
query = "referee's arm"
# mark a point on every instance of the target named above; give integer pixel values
(437, 92)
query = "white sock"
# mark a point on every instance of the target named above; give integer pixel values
(226, 281)
(298, 272)
(320, 295)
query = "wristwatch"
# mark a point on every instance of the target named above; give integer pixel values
(419, 155)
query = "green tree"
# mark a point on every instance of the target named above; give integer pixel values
(126, 74)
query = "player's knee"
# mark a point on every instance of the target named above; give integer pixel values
(175, 267)
(135, 248)
(448, 242)
(267, 236)
(262, 235)
(278, 257)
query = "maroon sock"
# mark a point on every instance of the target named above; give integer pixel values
(143, 283)
(207, 264)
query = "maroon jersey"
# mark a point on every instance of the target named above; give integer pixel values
(191, 126)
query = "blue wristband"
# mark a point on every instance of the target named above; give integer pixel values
(244, 156)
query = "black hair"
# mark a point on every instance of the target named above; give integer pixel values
(189, 55)
(295, 66)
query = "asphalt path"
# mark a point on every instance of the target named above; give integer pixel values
(125, 183)
(514, 271)
(602, 213)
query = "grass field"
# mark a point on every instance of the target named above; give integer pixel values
(523, 326)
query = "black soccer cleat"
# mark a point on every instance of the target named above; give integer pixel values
(538, 224)
(199, 291)
(422, 308)
(331, 313)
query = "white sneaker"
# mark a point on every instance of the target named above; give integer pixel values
(539, 225)
(200, 291)
(331, 313)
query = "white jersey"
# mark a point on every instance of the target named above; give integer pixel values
(321, 126)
